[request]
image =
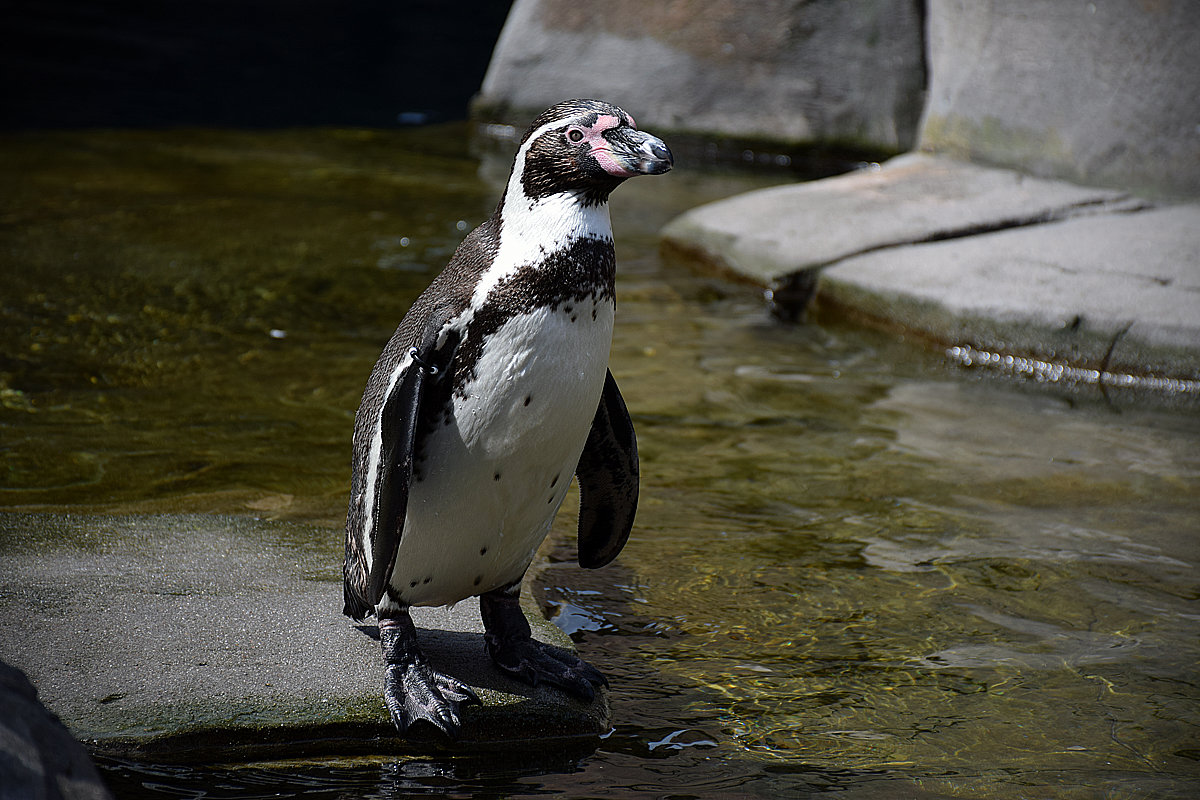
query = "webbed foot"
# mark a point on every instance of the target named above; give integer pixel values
(516, 653)
(412, 689)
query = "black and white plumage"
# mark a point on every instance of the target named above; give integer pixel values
(492, 393)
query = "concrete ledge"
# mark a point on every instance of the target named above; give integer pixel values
(968, 255)
(202, 637)
(1121, 291)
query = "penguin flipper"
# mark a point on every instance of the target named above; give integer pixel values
(398, 430)
(608, 480)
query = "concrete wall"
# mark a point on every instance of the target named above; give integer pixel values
(824, 71)
(1104, 92)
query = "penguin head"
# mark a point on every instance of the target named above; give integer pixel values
(587, 148)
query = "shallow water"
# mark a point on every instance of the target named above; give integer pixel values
(857, 566)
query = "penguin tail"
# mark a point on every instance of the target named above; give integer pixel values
(355, 607)
(353, 591)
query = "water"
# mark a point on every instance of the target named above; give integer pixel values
(858, 567)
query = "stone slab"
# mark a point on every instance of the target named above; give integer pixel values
(1067, 291)
(202, 637)
(972, 255)
(769, 234)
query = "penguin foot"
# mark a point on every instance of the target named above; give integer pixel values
(517, 653)
(414, 691)
(535, 663)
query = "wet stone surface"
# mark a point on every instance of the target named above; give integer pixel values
(211, 637)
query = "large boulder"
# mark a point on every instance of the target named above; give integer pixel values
(1104, 93)
(813, 72)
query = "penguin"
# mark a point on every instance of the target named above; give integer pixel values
(493, 392)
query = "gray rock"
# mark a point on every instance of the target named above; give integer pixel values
(222, 637)
(968, 255)
(1065, 292)
(39, 759)
(1103, 93)
(797, 72)
(769, 234)
(1098, 93)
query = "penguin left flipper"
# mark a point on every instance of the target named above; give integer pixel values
(608, 480)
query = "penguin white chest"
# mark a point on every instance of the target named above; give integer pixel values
(538, 379)
(495, 475)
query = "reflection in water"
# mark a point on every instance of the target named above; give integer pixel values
(856, 567)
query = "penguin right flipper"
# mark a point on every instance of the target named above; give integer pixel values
(398, 422)
(608, 480)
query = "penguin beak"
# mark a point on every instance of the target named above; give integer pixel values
(633, 152)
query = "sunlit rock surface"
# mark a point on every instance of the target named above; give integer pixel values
(192, 637)
(968, 255)
(1101, 93)
(798, 72)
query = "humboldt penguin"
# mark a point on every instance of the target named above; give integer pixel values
(492, 393)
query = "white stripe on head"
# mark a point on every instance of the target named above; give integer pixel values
(531, 228)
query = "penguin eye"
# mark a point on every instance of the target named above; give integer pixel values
(575, 135)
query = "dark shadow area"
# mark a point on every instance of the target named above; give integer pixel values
(443, 775)
(242, 63)
(370, 630)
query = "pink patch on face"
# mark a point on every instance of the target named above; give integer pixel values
(600, 147)
(611, 165)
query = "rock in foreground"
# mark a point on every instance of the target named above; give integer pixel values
(204, 637)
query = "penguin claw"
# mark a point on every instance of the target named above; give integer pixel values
(535, 663)
(415, 693)
(456, 691)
